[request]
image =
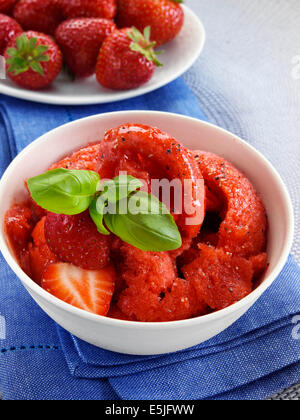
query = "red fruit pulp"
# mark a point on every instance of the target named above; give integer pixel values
(221, 261)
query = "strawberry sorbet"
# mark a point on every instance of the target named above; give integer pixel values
(220, 261)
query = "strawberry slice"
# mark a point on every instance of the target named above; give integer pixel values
(91, 291)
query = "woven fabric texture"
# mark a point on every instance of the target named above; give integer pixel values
(248, 79)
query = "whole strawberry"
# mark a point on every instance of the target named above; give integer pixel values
(75, 240)
(126, 60)
(6, 6)
(8, 29)
(165, 17)
(89, 8)
(39, 15)
(33, 60)
(80, 41)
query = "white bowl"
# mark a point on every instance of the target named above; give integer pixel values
(179, 55)
(150, 338)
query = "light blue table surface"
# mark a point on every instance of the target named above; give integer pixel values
(248, 79)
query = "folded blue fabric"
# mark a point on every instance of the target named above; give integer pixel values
(261, 339)
(32, 365)
(87, 361)
(39, 360)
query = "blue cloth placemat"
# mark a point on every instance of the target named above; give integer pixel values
(259, 344)
(254, 358)
(87, 361)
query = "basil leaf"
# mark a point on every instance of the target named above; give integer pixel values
(147, 224)
(120, 187)
(112, 192)
(97, 214)
(64, 192)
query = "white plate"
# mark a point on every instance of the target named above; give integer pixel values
(179, 55)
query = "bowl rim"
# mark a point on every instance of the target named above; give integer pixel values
(52, 300)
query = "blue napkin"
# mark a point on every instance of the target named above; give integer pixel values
(253, 359)
(260, 343)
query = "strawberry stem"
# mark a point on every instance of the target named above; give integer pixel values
(141, 43)
(27, 55)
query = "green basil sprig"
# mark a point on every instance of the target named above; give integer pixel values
(97, 209)
(151, 229)
(136, 217)
(110, 193)
(64, 192)
(119, 188)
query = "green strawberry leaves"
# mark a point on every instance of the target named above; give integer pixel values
(117, 206)
(141, 43)
(27, 55)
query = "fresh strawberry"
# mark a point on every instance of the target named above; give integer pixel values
(126, 60)
(91, 291)
(6, 6)
(89, 8)
(33, 60)
(39, 15)
(80, 41)
(75, 239)
(165, 17)
(8, 29)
